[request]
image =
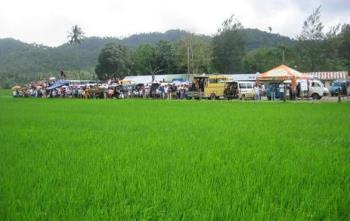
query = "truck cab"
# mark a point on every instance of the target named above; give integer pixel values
(316, 89)
(337, 87)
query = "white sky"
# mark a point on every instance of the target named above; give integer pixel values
(48, 22)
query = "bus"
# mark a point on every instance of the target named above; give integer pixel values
(211, 87)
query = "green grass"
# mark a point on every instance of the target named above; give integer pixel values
(63, 159)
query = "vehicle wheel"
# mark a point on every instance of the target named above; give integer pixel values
(212, 97)
(269, 98)
(337, 92)
(315, 97)
(243, 97)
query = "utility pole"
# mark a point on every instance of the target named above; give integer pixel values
(191, 48)
(188, 60)
(283, 58)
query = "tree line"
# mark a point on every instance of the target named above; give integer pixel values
(314, 50)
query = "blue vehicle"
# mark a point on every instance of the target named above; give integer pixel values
(339, 87)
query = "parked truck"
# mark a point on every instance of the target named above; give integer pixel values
(314, 89)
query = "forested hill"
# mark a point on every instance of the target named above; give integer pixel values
(22, 61)
(255, 39)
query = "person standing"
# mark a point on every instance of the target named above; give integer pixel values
(257, 92)
(298, 89)
(63, 75)
(344, 89)
(166, 91)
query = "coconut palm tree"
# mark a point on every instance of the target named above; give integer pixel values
(76, 35)
(75, 38)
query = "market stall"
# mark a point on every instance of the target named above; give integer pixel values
(282, 73)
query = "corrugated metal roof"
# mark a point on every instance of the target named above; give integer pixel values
(329, 75)
(145, 79)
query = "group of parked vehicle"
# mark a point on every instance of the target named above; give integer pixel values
(214, 87)
(111, 89)
(314, 89)
(201, 87)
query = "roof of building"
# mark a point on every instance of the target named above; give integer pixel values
(329, 75)
(146, 79)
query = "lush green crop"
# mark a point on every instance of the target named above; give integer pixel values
(63, 159)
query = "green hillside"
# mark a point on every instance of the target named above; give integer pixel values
(20, 62)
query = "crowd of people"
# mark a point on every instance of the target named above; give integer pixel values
(111, 89)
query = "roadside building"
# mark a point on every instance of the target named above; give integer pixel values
(146, 79)
(328, 77)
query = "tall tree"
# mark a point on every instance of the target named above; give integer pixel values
(113, 61)
(310, 42)
(229, 47)
(193, 55)
(344, 49)
(144, 60)
(165, 58)
(75, 38)
(263, 59)
(76, 35)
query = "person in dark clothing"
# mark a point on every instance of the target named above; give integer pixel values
(344, 89)
(63, 75)
(298, 89)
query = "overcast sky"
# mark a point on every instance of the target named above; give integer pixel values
(48, 22)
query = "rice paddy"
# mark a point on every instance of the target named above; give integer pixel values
(64, 159)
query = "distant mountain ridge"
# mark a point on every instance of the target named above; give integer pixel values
(27, 60)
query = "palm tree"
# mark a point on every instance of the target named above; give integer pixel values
(75, 37)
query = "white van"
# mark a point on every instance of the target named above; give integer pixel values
(239, 89)
(246, 89)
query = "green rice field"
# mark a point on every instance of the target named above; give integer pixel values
(66, 159)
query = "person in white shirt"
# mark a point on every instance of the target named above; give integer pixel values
(166, 91)
(257, 92)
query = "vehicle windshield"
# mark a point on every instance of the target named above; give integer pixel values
(250, 86)
(315, 84)
(217, 80)
(242, 85)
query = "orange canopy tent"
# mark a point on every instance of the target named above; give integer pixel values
(281, 73)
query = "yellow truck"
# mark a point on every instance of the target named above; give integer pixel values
(211, 87)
